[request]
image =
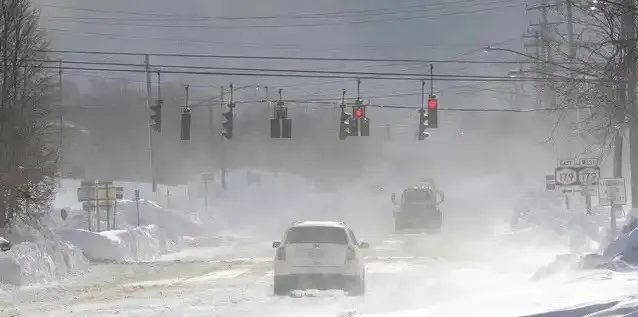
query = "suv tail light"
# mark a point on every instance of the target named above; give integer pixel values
(351, 254)
(281, 253)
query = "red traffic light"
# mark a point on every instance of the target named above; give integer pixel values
(433, 104)
(358, 113)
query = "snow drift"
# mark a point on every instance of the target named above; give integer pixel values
(37, 255)
(128, 245)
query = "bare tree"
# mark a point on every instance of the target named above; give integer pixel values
(593, 77)
(28, 161)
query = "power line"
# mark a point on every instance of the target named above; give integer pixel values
(297, 75)
(276, 26)
(286, 58)
(301, 71)
(341, 14)
(211, 43)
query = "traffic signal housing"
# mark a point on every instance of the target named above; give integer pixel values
(227, 124)
(344, 125)
(156, 116)
(281, 125)
(186, 124)
(423, 125)
(365, 126)
(433, 112)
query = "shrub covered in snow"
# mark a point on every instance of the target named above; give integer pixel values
(37, 255)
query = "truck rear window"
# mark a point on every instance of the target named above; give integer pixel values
(317, 235)
(417, 196)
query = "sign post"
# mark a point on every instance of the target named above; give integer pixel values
(207, 177)
(137, 203)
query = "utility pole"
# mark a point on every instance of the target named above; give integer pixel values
(572, 58)
(572, 93)
(168, 197)
(61, 150)
(149, 102)
(545, 42)
(628, 24)
(535, 34)
(211, 126)
(223, 143)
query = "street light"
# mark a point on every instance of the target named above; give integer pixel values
(489, 48)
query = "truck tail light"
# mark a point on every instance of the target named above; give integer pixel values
(281, 253)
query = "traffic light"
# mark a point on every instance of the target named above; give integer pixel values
(344, 125)
(286, 128)
(280, 125)
(156, 116)
(423, 125)
(358, 112)
(365, 126)
(433, 109)
(186, 124)
(354, 126)
(227, 125)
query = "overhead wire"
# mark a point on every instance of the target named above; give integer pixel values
(285, 58)
(226, 27)
(162, 67)
(430, 7)
(300, 74)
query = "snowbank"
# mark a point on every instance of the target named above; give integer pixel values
(620, 307)
(38, 255)
(128, 245)
(173, 224)
(626, 244)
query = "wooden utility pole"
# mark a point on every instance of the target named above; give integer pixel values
(629, 41)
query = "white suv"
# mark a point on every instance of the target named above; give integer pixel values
(322, 255)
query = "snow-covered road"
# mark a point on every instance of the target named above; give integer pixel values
(236, 280)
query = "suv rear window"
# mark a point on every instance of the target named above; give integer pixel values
(317, 235)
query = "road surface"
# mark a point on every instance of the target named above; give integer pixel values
(236, 280)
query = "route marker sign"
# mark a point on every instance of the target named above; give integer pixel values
(550, 182)
(583, 174)
(612, 192)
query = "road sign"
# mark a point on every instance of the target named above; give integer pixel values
(583, 173)
(90, 205)
(583, 162)
(89, 193)
(589, 175)
(208, 177)
(119, 192)
(589, 190)
(612, 191)
(566, 163)
(550, 182)
(587, 162)
(566, 176)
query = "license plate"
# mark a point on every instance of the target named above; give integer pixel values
(315, 254)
